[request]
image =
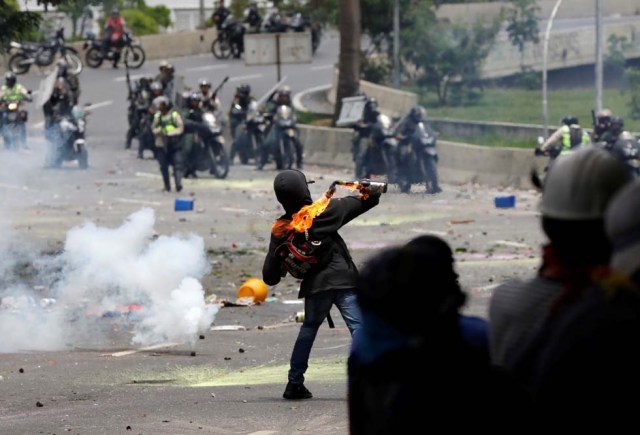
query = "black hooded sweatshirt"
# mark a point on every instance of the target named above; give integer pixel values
(291, 189)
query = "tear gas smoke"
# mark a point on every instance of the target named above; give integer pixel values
(99, 270)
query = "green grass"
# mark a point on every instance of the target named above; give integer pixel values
(525, 106)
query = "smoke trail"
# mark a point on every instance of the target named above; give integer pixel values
(101, 269)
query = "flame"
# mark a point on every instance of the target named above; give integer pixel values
(303, 219)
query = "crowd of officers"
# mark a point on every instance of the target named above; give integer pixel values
(608, 133)
(162, 116)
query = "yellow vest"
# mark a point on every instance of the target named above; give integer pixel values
(168, 123)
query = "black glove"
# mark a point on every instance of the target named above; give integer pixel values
(538, 152)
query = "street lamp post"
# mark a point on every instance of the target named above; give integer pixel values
(545, 53)
(599, 73)
(396, 44)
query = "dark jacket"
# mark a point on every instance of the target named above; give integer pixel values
(340, 273)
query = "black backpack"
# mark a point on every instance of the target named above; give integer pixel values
(302, 257)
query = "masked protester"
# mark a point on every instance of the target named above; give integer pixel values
(168, 128)
(333, 283)
(407, 355)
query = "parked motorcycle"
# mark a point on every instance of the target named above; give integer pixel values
(377, 155)
(282, 137)
(67, 140)
(417, 160)
(43, 54)
(247, 141)
(128, 50)
(13, 124)
(229, 40)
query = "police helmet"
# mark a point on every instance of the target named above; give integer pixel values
(10, 78)
(244, 89)
(285, 90)
(156, 86)
(570, 120)
(617, 124)
(195, 97)
(204, 82)
(372, 104)
(604, 116)
(162, 100)
(163, 64)
(417, 113)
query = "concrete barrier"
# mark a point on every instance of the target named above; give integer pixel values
(468, 12)
(458, 163)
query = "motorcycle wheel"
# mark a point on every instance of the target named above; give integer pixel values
(17, 63)
(93, 57)
(219, 161)
(134, 56)
(74, 62)
(221, 49)
(83, 158)
(284, 155)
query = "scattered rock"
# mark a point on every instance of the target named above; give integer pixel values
(129, 428)
(21, 370)
(227, 358)
(241, 350)
(201, 337)
(39, 404)
(193, 353)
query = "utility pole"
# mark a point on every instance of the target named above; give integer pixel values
(599, 71)
(396, 44)
(202, 14)
(545, 56)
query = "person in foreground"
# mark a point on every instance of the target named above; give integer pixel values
(332, 282)
(418, 361)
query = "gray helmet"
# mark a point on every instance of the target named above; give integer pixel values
(580, 185)
(155, 86)
(162, 100)
(10, 78)
(204, 82)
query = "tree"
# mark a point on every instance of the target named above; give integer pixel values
(15, 24)
(523, 25)
(76, 10)
(349, 61)
(446, 55)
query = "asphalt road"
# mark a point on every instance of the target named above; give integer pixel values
(95, 380)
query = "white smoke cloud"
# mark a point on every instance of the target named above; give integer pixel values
(101, 269)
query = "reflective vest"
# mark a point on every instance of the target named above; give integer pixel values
(14, 93)
(567, 147)
(168, 123)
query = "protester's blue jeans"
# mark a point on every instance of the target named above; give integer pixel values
(316, 309)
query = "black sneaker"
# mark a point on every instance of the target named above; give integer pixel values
(296, 392)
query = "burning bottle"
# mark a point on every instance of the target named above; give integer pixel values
(364, 186)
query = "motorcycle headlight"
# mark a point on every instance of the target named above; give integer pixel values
(15, 44)
(13, 106)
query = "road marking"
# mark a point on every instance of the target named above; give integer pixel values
(247, 77)
(263, 432)
(131, 77)
(99, 105)
(10, 186)
(147, 175)
(321, 67)
(138, 201)
(297, 98)
(142, 349)
(208, 67)
(234, 210)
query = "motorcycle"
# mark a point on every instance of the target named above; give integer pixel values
(229, 40)
(248, 133)
(210, 150)
(282, 137)
(127, 49)
(417, 160)
(378, 154)
(13, 124)
(274, 23)
(43, 54)
(67, 140)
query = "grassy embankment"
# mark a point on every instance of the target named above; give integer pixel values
(525, 106)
